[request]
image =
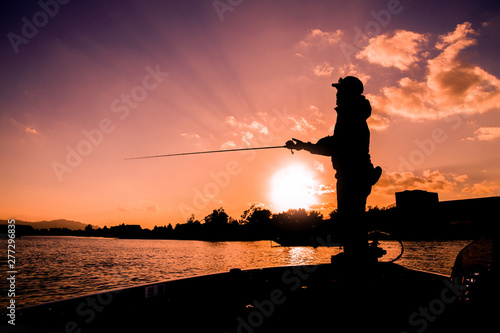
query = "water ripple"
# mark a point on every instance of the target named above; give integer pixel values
(52, 268)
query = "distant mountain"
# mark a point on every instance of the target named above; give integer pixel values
(72, 225)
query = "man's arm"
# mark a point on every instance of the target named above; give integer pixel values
(324, 146)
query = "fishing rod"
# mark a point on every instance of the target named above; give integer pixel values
(203, 152)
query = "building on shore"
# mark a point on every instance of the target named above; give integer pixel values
(423, 214)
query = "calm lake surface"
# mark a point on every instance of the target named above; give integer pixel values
(56, 267)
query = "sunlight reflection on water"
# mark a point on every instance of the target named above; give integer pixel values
(52, 268)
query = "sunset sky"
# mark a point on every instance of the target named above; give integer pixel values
(87, 84)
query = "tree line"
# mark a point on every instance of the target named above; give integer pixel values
(257, 223)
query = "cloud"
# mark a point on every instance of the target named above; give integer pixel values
(486, 133)
(318, 116)
(325, 207)
(402, 49)
(247, 130)
(451, 86)
(190, 135)
(228, 145)
(457, 83)
(323, 70)
(317, 40)
(482, 188)
(326, 192)
(319, 166)
(316, 112)
(248, 125)
(247, 138)
(259, 127)
(231, 121)
(378, 122)
(410, 99)
(353, 70)
(323, 189)
(317, 37)
(461, 178)
(461, 35)
(301, 125)
(30, 130)
(433, 181)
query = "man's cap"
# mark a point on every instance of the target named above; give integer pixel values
(351, 84)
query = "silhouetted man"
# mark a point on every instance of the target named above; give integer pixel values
(349, 150)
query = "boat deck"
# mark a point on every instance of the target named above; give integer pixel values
(378, 298)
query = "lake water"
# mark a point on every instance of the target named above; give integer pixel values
(56, 267)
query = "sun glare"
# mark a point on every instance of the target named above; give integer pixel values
(292, 187)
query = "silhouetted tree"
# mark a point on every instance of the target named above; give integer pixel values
(217, 218)
(256, 223)
(217, 225)
(255, 216)
(297, 220)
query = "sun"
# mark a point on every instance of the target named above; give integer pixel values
(292, 187)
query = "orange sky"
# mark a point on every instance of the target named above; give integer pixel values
(97, 84)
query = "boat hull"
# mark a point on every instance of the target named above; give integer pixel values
(381, 297)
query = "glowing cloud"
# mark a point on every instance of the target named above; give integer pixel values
(323, 70)
(483, 188)
(400, 50)
(30, 130)
(429, 181)
(486, 133)
(317, 36)
(452, 85)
